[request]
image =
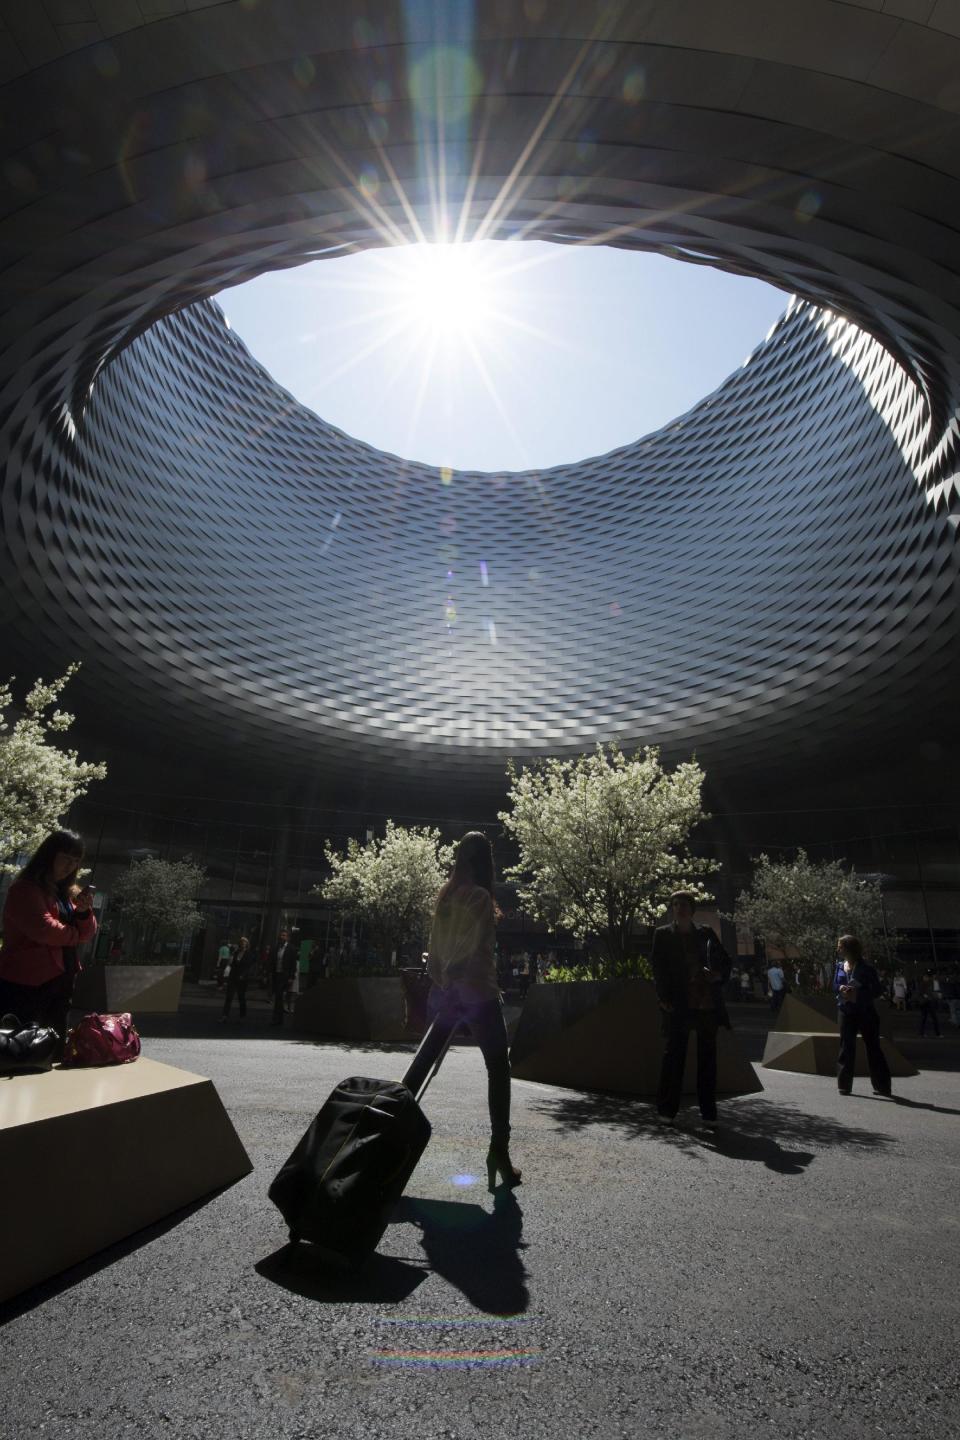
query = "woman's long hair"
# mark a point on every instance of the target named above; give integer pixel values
(850, 948)
(472, 865)
(39, 867)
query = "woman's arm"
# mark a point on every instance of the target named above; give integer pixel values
(26, 908)
(481, 967)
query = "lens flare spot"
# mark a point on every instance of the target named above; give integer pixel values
(304, 70)
(446, 475)
(369, 182)
(463, 1180)
(445, 83)
(808, 205)
(634, 85)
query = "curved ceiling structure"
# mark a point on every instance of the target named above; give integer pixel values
(779, 562)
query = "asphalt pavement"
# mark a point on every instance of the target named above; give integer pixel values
(797, 1276)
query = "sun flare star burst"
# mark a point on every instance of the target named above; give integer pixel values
(449, 293)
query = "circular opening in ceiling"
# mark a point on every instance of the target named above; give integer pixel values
(501, 355)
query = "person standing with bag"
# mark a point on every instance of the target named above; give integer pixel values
(690, 968)
(45, 919)
(857, 986)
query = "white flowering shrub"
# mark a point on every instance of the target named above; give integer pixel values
(603, 844)
(390, 883)
(804, 905)
(39, 781)
(159, 899)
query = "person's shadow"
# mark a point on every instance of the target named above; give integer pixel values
(916, 1104)
(737, 1145)
(475, 1250)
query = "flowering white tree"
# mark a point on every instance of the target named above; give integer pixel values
(38, 781)
(804, 905)
(390, 883)
(603, 844)
(160, 898)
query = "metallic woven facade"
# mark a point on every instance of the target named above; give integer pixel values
(761, 575)
(770, 580)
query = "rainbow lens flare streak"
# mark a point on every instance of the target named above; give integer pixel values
(455, 1359)
(415, 1359)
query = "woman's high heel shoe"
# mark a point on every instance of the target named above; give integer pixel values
(498, 1161)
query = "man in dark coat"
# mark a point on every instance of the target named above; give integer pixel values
(690, 968)
(857, 986)
(283, 964)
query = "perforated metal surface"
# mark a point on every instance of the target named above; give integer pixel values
(763, 573)
(769, 579)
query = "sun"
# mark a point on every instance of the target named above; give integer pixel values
(448, 293)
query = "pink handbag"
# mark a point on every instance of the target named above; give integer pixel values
(102, 1040)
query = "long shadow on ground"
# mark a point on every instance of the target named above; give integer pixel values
(476, 1251)
(759, 1131)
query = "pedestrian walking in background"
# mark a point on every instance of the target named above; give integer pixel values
(900, 991)
(746, 984)
(857, 986)
(777, 982)
(690, 968)
(238, 972)
(951, 993)
(283, 964)
(927, 1004)
(223, 961)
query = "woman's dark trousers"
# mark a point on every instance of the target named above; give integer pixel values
(676, 1026)
(236, 987)
(868, 1025)
(928, 1011)
(484, 1020)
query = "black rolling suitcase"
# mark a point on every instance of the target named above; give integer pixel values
(340, 1185)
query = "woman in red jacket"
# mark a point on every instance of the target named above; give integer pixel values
(42, 927)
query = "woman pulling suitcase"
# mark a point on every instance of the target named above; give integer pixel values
(461, 962)
(339, 1186)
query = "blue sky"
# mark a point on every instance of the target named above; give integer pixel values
(502, 355)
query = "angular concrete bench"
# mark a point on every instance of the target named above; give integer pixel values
(606, 1035)
(90, 1156)
(807, 1039)
(815, 1053)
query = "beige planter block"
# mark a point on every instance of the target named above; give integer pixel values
(817, 1014)
(816, 1054)
(348, 1008)
(141, 989)
(605, 1035)
(94, 1155)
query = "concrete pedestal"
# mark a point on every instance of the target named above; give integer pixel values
(817, 1015)
(141, 989)
(605, 1035)
(90, 1156)
(815, 1053)
(350, 1008)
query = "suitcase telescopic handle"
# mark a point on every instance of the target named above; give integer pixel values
(429, 1057)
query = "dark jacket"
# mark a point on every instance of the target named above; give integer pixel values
(290, 958)
(867, 986)
(668, 963)
(240, 962)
